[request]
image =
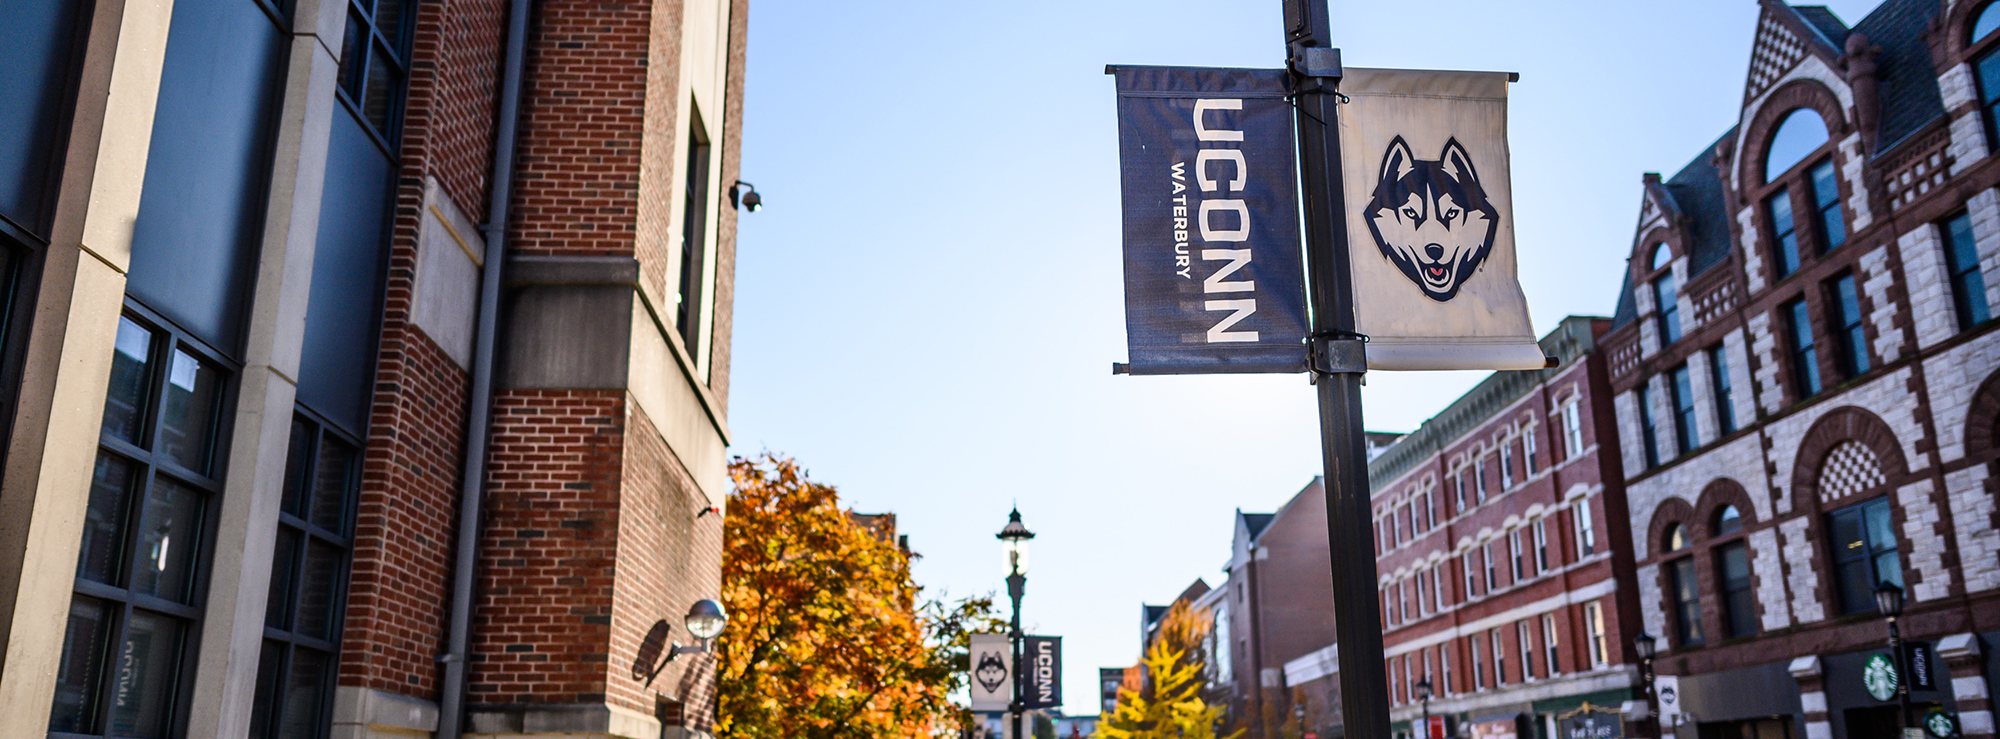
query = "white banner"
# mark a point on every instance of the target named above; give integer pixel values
(1667, 689)
(1431, 221)
(992, 672)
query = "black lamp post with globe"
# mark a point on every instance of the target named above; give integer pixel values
(1889, 600)
(1646, 645)
(1014, 544)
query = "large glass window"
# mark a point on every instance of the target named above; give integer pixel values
(1805, 356)
(1649, 436)
(1682, 385)
(1847, 329)
(303, 618)
(1864, 553)
(1669, 308)
(694, 236)
(373, 65)
(125, 669)
(1725, 405)
(1968, 286)
(1739, 604)
(1784, 233)
(1802, 133)
(1826, 200)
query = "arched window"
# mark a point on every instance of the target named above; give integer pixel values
(1989, 20)
(1662, 256)
(1801, 133)
(1676, 538)
(1728, 521)
(1683, 589)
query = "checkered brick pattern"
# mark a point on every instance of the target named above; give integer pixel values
(1849, 468)
(1777, 50)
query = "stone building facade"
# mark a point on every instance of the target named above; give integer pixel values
(1805, 362)
(1502, 552)
(328, 411)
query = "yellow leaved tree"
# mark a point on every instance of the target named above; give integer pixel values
(1169, 703)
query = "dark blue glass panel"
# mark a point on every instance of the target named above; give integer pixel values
(36, 93)
(1787, 234)
(194, 248)
(1805, 358)
(1968, 286)
(337, 367)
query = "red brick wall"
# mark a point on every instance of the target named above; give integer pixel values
(406, 525)
(669, 556)
(548, 559)
(582, 117)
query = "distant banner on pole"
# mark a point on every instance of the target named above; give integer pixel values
(1214, 281)
(1430, 220)
(1043, 655)
(992, 660)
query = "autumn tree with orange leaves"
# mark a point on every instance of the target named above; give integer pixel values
(827, 637)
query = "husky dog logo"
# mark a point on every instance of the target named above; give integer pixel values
(992, 672)
(1431, 217)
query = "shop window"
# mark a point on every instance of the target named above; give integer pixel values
(1863, 538)
(1968, 285)
(1805, 354)
(126, 667)
(1851, 338)
(303, 617)
(1718, 378)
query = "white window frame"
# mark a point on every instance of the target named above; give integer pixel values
(1478, 668)
(1479, 478)
(1492, 570)
(1471, 576)
(1517, 565)
(1430, 507)
(1593, 617)
(1572, 430)
(1506, 464)
(1437, 587)
(1499, 657)
(1444, 666)
(1458, 485)
(1549, 642)
(1528, 450)
(1527, 645)
(1541, 545)
(1586, 528)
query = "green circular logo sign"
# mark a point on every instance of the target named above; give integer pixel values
(1940, 725)
(1879, 677)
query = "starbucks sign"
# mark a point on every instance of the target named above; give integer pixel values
(1879, 677)
(1940, 725)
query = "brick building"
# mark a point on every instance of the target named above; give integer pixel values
(1503, 553)
(366, 364)
(1274, 606)
(1805, 367)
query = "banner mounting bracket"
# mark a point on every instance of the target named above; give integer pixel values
(1338, 355)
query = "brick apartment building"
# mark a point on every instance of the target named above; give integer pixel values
(272, 275)
(1276, 602)
(1503, 553)
(1805, 361)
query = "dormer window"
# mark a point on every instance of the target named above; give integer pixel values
(1667, 295)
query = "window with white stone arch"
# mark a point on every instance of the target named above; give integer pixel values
(1572, 430)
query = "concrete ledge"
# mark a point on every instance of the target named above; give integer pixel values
(366, 713)
(586, 720)
(552, 270)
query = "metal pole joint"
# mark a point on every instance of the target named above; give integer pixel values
(1339, 354)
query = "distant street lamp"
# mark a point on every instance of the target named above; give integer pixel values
(1889, 600)
(1646, 645)
(1014, 544)
(1424, 697)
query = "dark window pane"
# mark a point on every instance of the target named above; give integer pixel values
(304, 690)
(1805, 357)
(1669, 307)
(1881, 532)
(1853, 338)
(142, 686)
(1780, 206)
(332, 482)
(317, 593)
(1687, 602)
(1684, 428)
(1725, 408)
(1826, 193)
(268, 665)
(297, 460)
(125, 400)
(1649, 435)
(82, 667)
(169, 528)
(188, 417)
(1848, 543)
(353, 46)
(384, 82)
(1740, 604)
(389, 19)
(1857, 587)
(1989, 77)
(1889, 569)
(1968, 285)
(104, 521)
(284, 563)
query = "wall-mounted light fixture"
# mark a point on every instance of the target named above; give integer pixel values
(744, 195)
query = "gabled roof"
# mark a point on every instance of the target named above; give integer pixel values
(1256, 522)
(1910, 97)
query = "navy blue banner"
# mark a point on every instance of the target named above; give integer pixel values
(1041, 675)
(1214, 281)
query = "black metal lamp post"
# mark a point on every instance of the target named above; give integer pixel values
(1647, 646)
(1889, 600)
(1424, 698)
(1014, 543)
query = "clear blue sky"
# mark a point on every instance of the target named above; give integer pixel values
(928, 308)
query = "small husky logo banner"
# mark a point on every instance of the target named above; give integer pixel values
(1214, 278)
(1431, 221)
(991, 682)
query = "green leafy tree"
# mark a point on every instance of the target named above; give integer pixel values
(1169, 704)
